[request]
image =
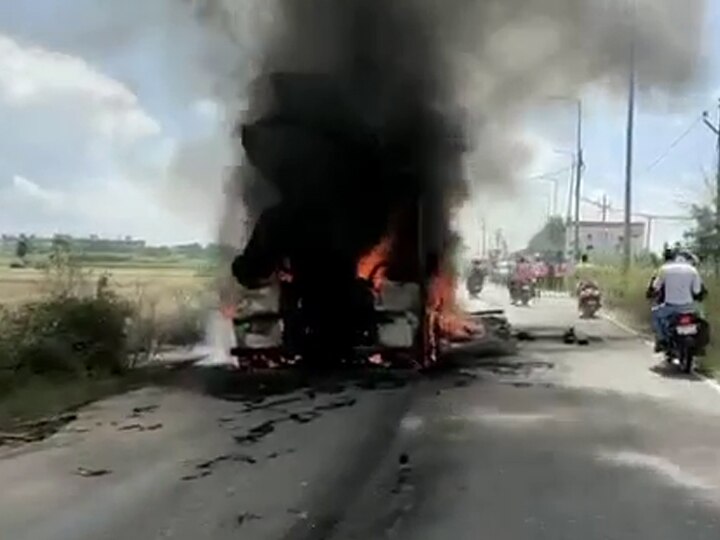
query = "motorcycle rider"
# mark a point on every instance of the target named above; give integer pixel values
(476, 277)
(523, 274)
(657, 297)
(583, 272)
(583, 276)
(678, 286)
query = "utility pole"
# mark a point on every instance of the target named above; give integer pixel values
(484, 238)
(716, 129)
(605, 208)
(571, 191)
(627, 251)
(648, 235)
(578, 179)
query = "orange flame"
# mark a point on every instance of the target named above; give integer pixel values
(372, 265)
(444, 311)
(444, 319)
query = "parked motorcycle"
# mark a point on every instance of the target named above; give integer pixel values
(685, 340)
(589, 300)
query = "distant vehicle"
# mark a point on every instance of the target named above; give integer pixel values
(527, 293)
(502, 272)
(589, 300)
(522, 294)
(475, 280)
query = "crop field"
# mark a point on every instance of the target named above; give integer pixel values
(165, 285)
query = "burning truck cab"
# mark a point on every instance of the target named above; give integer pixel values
(357, 242)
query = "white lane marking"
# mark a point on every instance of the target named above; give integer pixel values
(662, 467)
(411, 423)
(711, 382)
(507, 419)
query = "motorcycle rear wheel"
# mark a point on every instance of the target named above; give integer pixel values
(686, 360)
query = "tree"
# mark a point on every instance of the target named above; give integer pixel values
(551, 238)
(702, 238)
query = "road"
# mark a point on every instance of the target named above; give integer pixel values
(556, 442)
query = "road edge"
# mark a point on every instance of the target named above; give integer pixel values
(646, 338)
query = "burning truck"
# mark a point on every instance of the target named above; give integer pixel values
(352, 245)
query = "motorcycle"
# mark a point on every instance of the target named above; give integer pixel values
(522, 293)
(685, 338)
(526, 294)
(474, 286)
(590, 300)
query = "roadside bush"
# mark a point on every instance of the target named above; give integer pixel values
(77, 329)
(66, 336)
(183, 329)
(154, 325)
(626, 293)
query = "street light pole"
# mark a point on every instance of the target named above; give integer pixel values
(716, 129)
(558, 210)
(579, 164)
(484, 238)
(627, 251)
(571, 191)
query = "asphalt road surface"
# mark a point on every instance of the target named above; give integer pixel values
(556, 442)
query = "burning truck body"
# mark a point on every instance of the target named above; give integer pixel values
(354, 129)
(358, 243)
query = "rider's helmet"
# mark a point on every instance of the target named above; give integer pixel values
(688, 256)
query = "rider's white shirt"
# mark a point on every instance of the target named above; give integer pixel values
(680, 281)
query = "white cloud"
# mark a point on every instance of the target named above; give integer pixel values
(34, 77)
(106, 206)
(31, 190)
(207, 109)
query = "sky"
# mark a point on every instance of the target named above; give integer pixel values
(116, 121)
(667, 179)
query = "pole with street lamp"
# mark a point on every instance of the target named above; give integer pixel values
(716, 129)
(579, 164)
(627, 244)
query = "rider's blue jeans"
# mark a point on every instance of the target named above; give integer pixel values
(661, 317)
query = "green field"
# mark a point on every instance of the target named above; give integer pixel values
(161, 280)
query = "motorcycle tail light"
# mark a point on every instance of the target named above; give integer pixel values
(686, 319)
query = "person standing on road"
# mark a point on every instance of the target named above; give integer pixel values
(680, 285)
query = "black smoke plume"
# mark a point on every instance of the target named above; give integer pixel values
(352, 124)
(353, 129)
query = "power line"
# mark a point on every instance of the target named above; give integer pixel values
(673, 145)
(544, 176)
(548, 175)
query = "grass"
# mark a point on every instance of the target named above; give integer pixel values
(42, 398)
(45, 398)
